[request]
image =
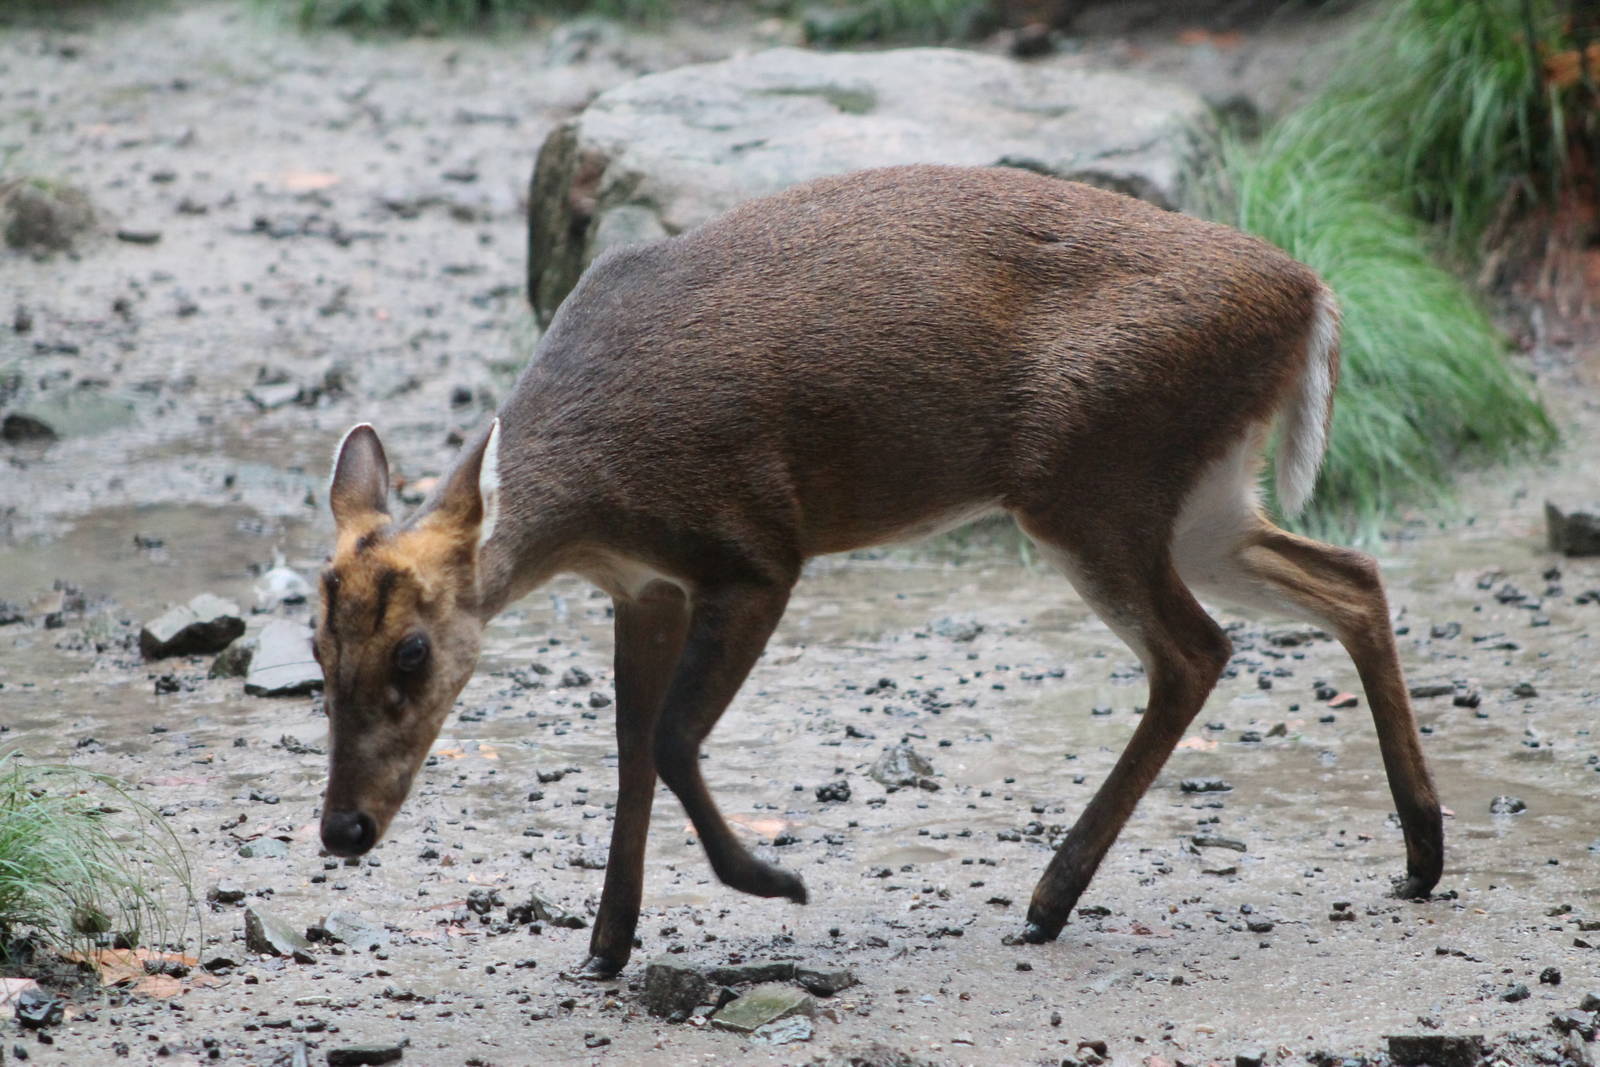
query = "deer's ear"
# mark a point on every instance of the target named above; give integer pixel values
(359, 485)
(469, 503)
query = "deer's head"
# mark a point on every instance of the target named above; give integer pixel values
(399, 632)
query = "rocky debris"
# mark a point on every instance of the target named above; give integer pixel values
(267, 934)
(233, 661)
(537, 909)
(351, 929)
(37, 215)
(764, 1004)
(784, 1031)
(833, 792)
(1515, 992)
(1427, 690)
(353, 1055)
(226, 892)
(673, 990)
(669, 151)
(751, 973)
(280, 585)
(283, 664)
(1504, 805)
(575, 678)
(1215, 841)
(958, 630)
(1205, 785)
(269, 848)
(825, 983)
(1573, 533)
(18, 428)
(36, 1009)
(901, 765)
(204, 625)
(1436, 1050)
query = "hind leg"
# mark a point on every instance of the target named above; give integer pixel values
(1139, 594)
(1339, 589)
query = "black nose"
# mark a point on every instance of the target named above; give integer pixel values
(348, 833)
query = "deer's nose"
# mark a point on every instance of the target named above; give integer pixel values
(348, 833)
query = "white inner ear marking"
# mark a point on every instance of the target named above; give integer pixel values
(489, 484)
(338, 453)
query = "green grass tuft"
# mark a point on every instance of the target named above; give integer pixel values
(847, 22)
(1405, 158)
(79, 858)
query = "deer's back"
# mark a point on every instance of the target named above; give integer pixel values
(915, 340)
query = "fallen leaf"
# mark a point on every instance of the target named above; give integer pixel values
(1197, 744)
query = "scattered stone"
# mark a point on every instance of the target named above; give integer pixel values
(538, 909)
(1252, 1058)
(1573, 533)
(1550, 976)
(41, 215)
(281, 585)
(37, 1009)
(139, 237)
(1213, 841)
(1515, 992)
(825, 983)
(1581, 1023)
(18, 428)
(1590, 1002)
(1344, 700)
(206, 624)
(673, 990)
(1432, 689)
(783, 1032)
(1436, 1050)
(225, 892)
(1524, 691)
(833, 792)
(1504, 805)
(762, 1005)
(1205, 785)
(575, 677)
(233, 661)
(901, 765)
(283, 664)
(958, 630)
(353, 1055)
(264, 848)
(353, 930)
(266, 933)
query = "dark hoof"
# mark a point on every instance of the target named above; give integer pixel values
(768, 880)
(1414, 887)
(1038, 934)
(795, 889)
(600, 968)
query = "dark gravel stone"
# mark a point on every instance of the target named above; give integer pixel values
(1550, 976)
(573, 677)
(1205, 785)
(1514, 993)
(1573, 533)
(225, 892)
(1504, 805)
(825, 982)
(37, 1009)
(833, 791)
(283, 664)
(900, 765)
(1436, 1050)
(673, 990)
(266, 933)
(352, 1055)
(1426, 690)
(17, 428)
(748, 973)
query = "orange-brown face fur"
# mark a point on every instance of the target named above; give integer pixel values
(397, 642)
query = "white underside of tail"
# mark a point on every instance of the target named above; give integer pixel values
(1304, 432)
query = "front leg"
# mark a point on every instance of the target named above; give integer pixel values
(649, 640)
(728, 628)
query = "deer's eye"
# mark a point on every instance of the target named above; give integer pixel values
(411, 654)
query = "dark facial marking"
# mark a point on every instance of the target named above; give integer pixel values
(386, 584)
(367, 540)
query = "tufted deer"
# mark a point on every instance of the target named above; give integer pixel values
(854, 361)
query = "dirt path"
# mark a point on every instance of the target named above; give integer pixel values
(340, 238)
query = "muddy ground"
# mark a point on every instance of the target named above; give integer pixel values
(339, 237)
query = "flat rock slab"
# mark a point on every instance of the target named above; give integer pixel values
(283, 664)
(204, 625)
(901, 765)
(825, 982)
(353, 930)
(266, 933)
(762, 1005)
(670, 151)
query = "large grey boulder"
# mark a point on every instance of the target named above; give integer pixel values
(670, 151)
